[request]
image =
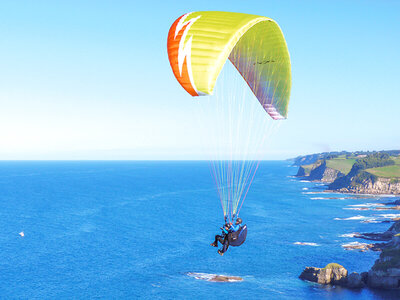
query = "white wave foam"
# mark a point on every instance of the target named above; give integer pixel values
(326, 198)
(202, 276)
(358, 217)
(390, 216)
(304, 189)
(352, 244)
(306, 244)
(375, 219)
(371, 221)
(356, 208)
(349, 234)
(366, 205)
(309, 193)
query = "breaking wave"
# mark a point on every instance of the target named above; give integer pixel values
(349, 234)
(306, 244)
(366, 205)
(358, 217)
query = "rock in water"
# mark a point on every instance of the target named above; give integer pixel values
(332, 274)
(215, 277)
(395, 202)
(224, 278)
(354, 281)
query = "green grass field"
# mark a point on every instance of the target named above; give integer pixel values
(387, 172)
(341, 164)
(397, 160)
(308, 168)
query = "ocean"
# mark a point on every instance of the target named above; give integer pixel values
(134, 230)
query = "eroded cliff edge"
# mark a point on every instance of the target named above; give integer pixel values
(373, 173)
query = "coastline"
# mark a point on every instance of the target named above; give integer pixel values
(341, 192)
(383, 242)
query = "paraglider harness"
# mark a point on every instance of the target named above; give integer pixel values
(237, 238)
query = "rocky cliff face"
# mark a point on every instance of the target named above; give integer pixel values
(379, 186)
(301, 172)
(320, 172)
(324, 173)
(385, 273)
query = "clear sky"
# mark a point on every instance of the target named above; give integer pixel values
(91, 79)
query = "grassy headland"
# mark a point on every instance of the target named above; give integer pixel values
(359, 172)
(343, 165)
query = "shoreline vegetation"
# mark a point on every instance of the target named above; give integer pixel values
(376, 173)
(371, 173)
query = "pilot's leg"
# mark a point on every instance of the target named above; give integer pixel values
(225, 244)
(218, 238)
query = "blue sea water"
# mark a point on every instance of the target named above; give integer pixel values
(133, 230)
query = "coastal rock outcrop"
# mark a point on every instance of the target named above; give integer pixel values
(319, 172)
(324, 173)
(359, 246)
(214, 277)
(381, 236)
(355, 281)
(365, 173)
(385, 273)
(301, 172)
(395, 202)
(368, 186)
(332, 274)
(335, 274)
(223, 278)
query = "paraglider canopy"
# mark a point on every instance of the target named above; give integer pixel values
(199, 43)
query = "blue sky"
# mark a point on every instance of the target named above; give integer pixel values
(91, 79)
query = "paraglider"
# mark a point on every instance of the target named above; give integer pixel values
(232, 235)
(199, 44)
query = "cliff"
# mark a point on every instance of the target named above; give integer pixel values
(324, 173)
(319, 171)
(376, 173)
(384, 274)
(370, 186)
(302, 172)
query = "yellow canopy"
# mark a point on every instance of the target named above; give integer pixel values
(199, 43)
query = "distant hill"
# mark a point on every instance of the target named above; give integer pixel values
(312, 158)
